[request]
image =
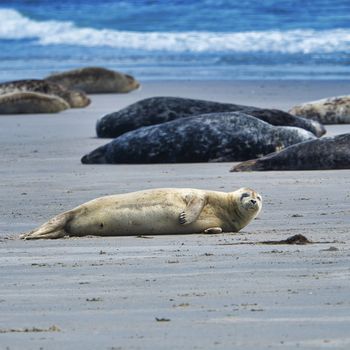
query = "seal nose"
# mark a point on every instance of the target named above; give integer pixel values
(253, 201)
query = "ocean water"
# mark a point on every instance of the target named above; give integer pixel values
(178, 39)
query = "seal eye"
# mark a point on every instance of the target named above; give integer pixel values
(259, 198)
(245, 195)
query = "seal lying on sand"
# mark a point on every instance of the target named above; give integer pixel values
(156, 211)
(75, 99)
(210, 137)
(321, 154)
(333, 110)
(31, 103)
(95, 80)
(158, 110)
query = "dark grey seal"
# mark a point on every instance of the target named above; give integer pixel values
(75, 99)
(95, 80)
(321, 154)
(207, 138)
(158, 110)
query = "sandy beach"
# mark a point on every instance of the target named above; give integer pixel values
(170, 292)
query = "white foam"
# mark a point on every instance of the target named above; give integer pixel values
(13, 25)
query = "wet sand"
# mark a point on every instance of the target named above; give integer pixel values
(207, 291)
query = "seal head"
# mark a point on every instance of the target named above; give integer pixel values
(250, 202)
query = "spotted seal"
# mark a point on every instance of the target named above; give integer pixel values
(223, 137)
(158, 110)
(156, 211)
(321, 154)
(31, 103)
(75, 99)
(333, 110)
(95, 80)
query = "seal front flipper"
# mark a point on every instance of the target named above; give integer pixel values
(192, 211)
(213, 230)
(54, 228)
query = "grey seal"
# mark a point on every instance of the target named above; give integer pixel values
(333, 110)
(95, 80)
(156, 211)
(322, 154)
(31, 103)
(222, 137)
(158, 110)
(76, 99)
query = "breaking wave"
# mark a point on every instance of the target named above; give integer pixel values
(15, 26)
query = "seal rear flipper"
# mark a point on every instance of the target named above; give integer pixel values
(54, 228)
(49, 235)
(192, 211)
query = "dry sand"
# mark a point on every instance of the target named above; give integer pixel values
(207, 291)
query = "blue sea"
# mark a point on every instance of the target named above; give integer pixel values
(178, 39)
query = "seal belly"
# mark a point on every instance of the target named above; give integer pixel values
(139, 213)
(146, 212)
(155, 219)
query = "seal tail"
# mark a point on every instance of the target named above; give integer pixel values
(54, 228)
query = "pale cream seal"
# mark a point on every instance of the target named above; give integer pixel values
(95, 80)
(156, 211)
(333, 110)
(76, 99)
(30, 103)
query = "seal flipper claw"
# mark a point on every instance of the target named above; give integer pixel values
(182, 218)
(192, 211)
